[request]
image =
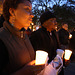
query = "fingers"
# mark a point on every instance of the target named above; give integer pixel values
(32, 63)
(38, 68)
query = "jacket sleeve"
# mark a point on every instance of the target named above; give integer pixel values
(4, 58)
(34, 39)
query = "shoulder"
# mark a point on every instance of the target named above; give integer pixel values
(36, 33)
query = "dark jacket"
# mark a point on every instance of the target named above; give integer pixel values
(72, 46)
(1, 21)
(42, 40)
(72, 42)
(63, 36)
(18, 50)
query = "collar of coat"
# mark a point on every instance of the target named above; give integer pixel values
(19, 33)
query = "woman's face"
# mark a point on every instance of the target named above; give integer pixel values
(51, 24)
(23, 15)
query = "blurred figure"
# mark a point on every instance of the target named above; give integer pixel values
(16, 52)
(72, 45)
(64, 36)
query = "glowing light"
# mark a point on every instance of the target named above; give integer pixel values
(67, 54)
(41, 57)
(70, 36)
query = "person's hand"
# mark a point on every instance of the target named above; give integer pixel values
(36, 68)
(29, 69)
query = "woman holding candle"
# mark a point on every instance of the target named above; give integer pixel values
(46, 37)
(16, 51)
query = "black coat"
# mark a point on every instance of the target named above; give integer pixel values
(63, 36)
(1, 21)
(42, 40)
(15, 51)
(72, 46)
(72, 42)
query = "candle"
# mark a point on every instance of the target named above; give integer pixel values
(70, 36)
(67, 54)
(41, 57)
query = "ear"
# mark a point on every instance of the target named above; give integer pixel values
(11, 11)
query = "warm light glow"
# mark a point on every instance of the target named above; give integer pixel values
(32, 23)
(70, 36)
(67, 54)
(34, 30)
(41, 57)
(56, 27)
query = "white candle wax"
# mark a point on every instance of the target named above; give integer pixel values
(67, 54)
(41, 57)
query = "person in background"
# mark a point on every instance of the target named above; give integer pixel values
(64, 36)
(72, 45)
(16, 52)
(45, 38)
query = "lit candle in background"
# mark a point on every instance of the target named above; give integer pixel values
(41, 57)
(67, 54)
(70, 36)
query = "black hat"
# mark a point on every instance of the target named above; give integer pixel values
(45, 16)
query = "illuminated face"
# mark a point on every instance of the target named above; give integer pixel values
(23, 15)
(65, 26)
(50, 24)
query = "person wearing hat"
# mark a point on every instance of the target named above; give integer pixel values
(45, 37)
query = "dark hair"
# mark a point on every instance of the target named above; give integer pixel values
(63, 23)
(10, 4)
